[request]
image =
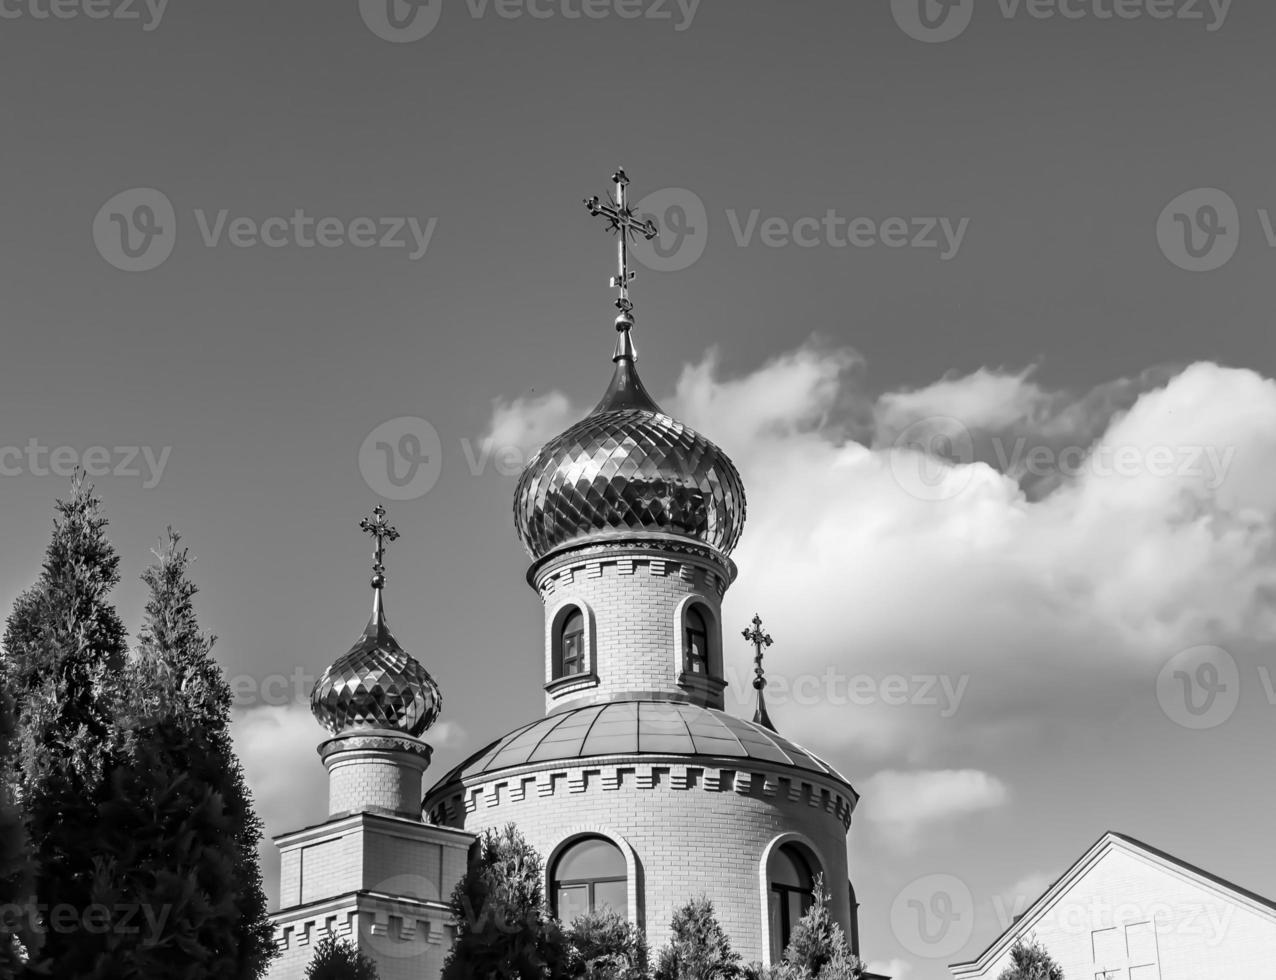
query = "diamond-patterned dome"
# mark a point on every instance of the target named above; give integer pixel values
(628, 467)
(377, 685)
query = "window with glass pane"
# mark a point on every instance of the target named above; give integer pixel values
(572, 646)
(791, 896)
(589, 876)
(697, 642)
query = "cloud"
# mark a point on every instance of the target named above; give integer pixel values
(276, 745)
(525, 424)
(1084, 540)
(901, 805)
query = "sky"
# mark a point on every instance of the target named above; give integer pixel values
(978, 308)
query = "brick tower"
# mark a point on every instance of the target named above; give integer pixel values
(372, 873)
(637, 788)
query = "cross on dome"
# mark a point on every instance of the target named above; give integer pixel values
(760, 640)
(626, 225)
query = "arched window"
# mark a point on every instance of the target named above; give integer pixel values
(588, 876)
(697, 642)
(571, 646)
(791, 894)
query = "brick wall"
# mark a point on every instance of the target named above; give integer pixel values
(688, 827)
(633, 602)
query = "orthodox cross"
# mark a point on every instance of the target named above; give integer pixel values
(760, 640)
(626, 226)
(377, 527)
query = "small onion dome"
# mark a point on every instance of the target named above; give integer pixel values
(628, 467)
(376, 686)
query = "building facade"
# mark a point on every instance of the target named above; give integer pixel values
(1126, 911)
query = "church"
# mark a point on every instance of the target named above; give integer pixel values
(636, 787)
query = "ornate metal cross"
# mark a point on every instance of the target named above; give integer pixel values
(760, 640)
(383, 532)
(626, 226)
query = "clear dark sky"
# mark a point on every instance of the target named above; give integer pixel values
(1054, 143)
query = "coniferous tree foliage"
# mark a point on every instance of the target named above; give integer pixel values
(337, 959)
(64, 645)
(699, 948)
(503, 929)
(174, 677)
(606, 946)
(1030, 961)
(817, 948)
(15, 865)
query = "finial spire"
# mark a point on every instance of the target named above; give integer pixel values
(377, 527)
(760, 640)
(625, 225)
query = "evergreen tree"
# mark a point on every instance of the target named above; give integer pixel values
(175, 676)
(337, 959)
(817, 948)
(63, 646)
(1030, 961)
(503, 929)
(606, 946)
(699, 948)
(15, 865)
(163, 886)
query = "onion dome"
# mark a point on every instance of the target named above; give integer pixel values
(628, 467)
(377, 685)
(631, 728)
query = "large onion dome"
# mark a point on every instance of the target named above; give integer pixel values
(628, 467)
(376, 685)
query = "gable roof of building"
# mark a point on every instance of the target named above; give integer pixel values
(1105, 845)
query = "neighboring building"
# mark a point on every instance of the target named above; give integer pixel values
(637, 788)
(1127, 911)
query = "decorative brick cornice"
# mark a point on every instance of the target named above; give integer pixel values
(367, 913)
(448, 804)
(375, 743)
(664, 554)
